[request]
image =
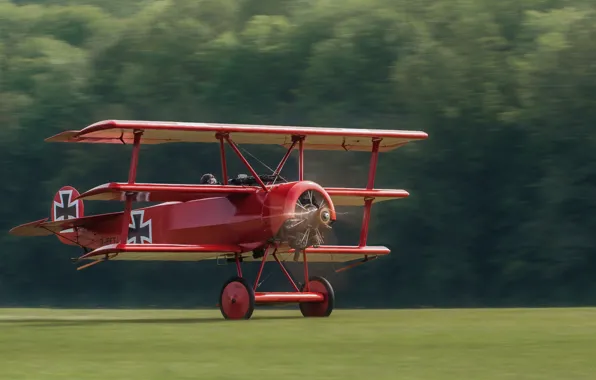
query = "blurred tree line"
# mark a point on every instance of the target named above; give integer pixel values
(500, 211)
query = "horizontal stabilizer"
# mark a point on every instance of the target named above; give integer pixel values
(159, 132)
(157, 192)
(356, 197)
(43, 227)
(161, 252)
(31, 229)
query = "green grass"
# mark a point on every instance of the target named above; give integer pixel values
(372, 344)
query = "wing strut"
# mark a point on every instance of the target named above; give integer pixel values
(301, 159)
(244, 161)
(369, 186)
(132, 175)
(281, 164)
(224, 165)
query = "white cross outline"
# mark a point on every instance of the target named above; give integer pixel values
(143, 224)
(62, 205)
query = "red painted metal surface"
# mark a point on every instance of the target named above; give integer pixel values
(262, 266)
(132, 175)
(132, 171)
(224, 164)
(369, 185)
(365, 223)
(307, 286)
(238, 266)
(301, 160)
(288, 297)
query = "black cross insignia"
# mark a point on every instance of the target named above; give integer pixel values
(67, 209)
(139, 231)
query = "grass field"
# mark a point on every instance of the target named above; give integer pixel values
(372, 344)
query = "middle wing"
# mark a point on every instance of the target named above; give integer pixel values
(157, 192)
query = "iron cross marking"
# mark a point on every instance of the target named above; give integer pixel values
(139, 231)
(66, 209)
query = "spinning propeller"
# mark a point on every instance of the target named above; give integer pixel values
(311, 218)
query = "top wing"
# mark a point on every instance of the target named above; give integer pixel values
(159, 132)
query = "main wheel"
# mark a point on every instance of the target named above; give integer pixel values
(237, 299)
(323, 308)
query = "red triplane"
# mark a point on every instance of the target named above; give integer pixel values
(248, 218)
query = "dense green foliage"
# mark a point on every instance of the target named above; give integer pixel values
(501, 202)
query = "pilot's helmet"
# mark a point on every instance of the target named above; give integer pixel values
(208, 179)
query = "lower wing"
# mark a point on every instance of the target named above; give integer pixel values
(181, 252)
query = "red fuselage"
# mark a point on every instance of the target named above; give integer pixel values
(246, 220)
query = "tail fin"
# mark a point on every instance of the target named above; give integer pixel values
(64, 207)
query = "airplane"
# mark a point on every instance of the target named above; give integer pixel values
(244, 219)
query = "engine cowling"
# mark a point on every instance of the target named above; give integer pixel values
(299, 213)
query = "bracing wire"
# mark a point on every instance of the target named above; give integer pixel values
(262, 163)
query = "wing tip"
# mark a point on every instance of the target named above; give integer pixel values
(30, 229)
(66, 136)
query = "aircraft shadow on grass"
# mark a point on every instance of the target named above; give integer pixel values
(66, 321)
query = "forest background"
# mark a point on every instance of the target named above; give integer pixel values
(503, 192)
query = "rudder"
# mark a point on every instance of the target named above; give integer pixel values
(64, 206)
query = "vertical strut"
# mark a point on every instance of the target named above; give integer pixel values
(301, 159)
(283, 269)
(238, 267)
(369, 186)
(224, 166)
(132, 175)
(262, 266)
(306, 285)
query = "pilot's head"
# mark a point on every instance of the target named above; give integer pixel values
(208, 179)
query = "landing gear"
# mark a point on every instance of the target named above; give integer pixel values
(318, 309)
(303, 230)
(237, 299)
